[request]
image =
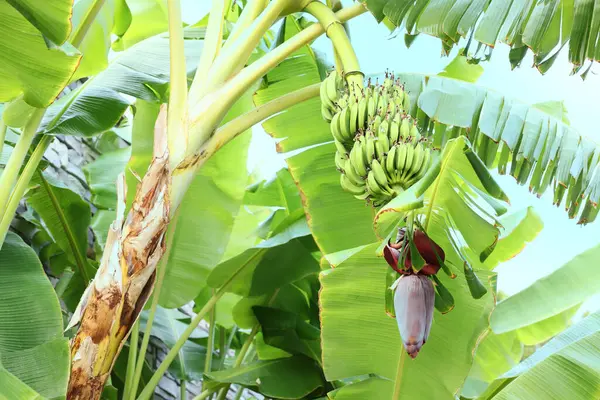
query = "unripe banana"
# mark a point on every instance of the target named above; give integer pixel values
(354, 117)
(334, 126)
(340, 160)
(380, 175)
(331, 89)
(363, 112)
(373, 186)
(340, 147)
(390, 162)
(376, 123)
(384, 142)
(347, 134)
(357, 156)
(369, 147)
(423, 170)
(401, 158)
(325, 100)
(410, 152)
(406, 102)
(348, 186)
(371, 107)
(405, 129)
(415, 166)
(351, 173)
(414, 132)
(394, 131)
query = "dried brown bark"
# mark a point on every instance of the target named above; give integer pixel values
(114, 299)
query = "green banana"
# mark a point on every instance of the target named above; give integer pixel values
(380, 175)
(401, 158)
(357, 155)
(348, 186)
(363, 112)
(410, 153)
(334, 126)
(394, 131)
(354, 117)
(415, 166)
(352, 174)
(345, 125)
(405, 128)
(369, 148)
(390, 162)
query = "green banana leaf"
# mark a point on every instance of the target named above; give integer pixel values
(565, 367)
(286, 378)
(531, 142)
(352, 309)
(28, 66)
(544, 27)
(34, 356)
(53, 20)
(567, 287)
(142, 72)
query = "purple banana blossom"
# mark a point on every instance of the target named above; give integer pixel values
(413, 303)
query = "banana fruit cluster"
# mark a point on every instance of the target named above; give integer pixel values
(380, 151)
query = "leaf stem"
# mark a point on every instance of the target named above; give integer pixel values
(15, 161)
(240, 358)
(207, 116)
(3, 129)
(162, 368)
(399, 372)
(235, 56)
(210, 344)
(341, 42)
(232, 129)
(182, 391)
(252, 10)
(212, 44)
(133, 348)
(85, 25)
(177, 115)
(77, 252)
(161, 270)
(22, 184)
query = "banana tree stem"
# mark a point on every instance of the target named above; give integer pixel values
(21, 186)
(133, 348)
(341, 42)
(177, 132)
(205, 394)
(162, 268)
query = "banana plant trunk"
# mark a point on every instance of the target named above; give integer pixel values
(114, 299)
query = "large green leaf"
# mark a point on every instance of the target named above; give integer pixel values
(352, 304)
(28, 66)
(518, 229)
(264, 269)
(65, 215)
(555, 293)
(530, 142)
(53, 19)
(313, 169)
(285, 378)
(101, 175)
(542, 26)
(34, 357)
(147, 18)
(142, 71)
(495, 355)
(368, 388)
(565, 368)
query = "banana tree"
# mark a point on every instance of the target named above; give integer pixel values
(417, 148)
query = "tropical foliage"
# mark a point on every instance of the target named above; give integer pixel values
(291, 294)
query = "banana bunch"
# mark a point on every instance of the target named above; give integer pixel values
(380, 151)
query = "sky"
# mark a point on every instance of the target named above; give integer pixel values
(378, 50)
